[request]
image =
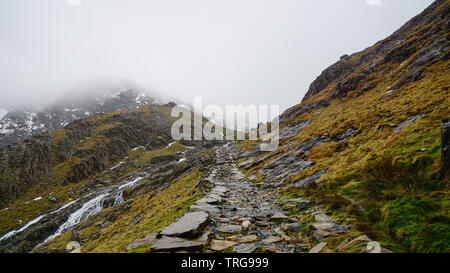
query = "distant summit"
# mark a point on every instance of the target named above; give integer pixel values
(19, 124)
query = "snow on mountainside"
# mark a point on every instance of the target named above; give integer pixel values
(3, 112)
(19, 124)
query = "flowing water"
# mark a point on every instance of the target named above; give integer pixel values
(103, 199)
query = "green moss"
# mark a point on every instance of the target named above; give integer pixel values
(58, 135)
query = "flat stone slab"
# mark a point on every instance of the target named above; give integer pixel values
(229, 228)
(244, 248)
(323, 225)
(149, 240)
(188, 226)
(318, 248)
(219, 190)
(322, 218)
(173, 244)
(214, 196)
(272, 239)
(278, 216)
(204, 208)
(219, 245)
(208, 200)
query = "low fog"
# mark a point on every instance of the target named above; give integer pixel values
(227, 51)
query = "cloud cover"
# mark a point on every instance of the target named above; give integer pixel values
(227, 52)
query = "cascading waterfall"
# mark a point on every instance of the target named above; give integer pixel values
(14, 232)
(91, 208)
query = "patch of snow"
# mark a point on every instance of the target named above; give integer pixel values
(37, 199)
(3, 112)
(181, 160)
(170, 144)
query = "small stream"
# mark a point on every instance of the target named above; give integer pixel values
(95, 203)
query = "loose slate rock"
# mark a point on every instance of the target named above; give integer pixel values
(173, 244)
(318, 248)
(247, 239)
(229, 228)
(188, 226)
(244, 248)
(322, 218)
(323, 225)
(272, 239)
(278, 216)
(149, 240)
(219, 245)
(204, 208)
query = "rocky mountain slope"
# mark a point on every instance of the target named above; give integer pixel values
(362, 166)
(20, 124)
(369, 140)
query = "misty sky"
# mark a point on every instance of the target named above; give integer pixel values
(226, 51)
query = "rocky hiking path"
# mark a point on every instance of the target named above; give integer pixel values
(241, 217)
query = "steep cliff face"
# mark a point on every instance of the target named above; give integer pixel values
(420, 42)
(18, 124)
(366, 140)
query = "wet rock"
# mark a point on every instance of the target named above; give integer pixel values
(308, 180)
(356, 241)
(149, 240)
(247, 239)
(272, 239)
(388, 94)
(322, 218)
(405, 123)
(278, 217)
(52, 199)
(339, 228)
(243, 219)
(409, 76)
(173, 244)
(288, 132)
(229, 228)
(323, 225)
(220, 245)
(208, 200)
(189, 225)
(204, 208)
(320, 234)
(244, 248)
(345, 135)
(290, 227)
(304, 204)
(262, 223)
(318, 248)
